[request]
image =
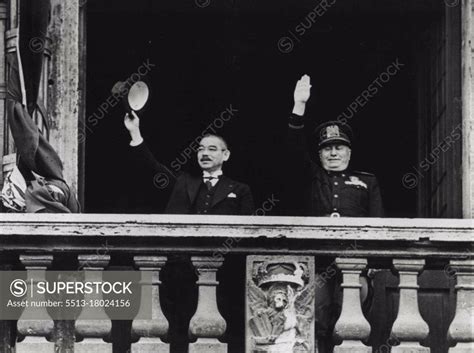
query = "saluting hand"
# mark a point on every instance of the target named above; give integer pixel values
(302, 94)
(302, 89)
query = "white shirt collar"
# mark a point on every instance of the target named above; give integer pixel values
(215, 174)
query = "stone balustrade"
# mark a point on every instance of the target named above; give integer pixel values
(407, 248)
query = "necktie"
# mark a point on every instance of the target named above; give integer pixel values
(207, 181)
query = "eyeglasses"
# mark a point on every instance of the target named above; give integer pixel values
(210, 149)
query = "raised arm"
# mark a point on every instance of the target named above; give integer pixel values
(141, 154)
(300, 160)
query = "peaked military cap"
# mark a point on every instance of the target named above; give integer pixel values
(333, 132)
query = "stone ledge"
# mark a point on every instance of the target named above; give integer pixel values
(242, 227)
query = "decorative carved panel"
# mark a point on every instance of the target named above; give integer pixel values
(280, 304)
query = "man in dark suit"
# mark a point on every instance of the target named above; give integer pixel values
(210, 193)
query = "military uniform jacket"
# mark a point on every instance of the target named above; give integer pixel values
(322, 193)
(230, 197)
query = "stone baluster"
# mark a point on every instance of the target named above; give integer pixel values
(351, 327)
(93, 330)
(150, 331)
(409, 327)
(35, 331)
(461, 330)
(207, 324)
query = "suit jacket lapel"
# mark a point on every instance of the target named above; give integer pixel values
(223, 188)
(192, 186)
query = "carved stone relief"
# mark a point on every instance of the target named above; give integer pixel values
(280, 304)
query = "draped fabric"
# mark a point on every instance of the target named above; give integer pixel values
(34, 20)
(13, 191)
(38, 162)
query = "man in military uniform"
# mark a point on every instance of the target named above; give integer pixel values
(329, 188)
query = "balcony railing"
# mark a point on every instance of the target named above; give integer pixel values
(406, 247)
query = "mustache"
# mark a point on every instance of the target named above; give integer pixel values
(204, 159)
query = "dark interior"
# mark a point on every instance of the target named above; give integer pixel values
(226, 54)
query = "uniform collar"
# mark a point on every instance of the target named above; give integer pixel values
(341, 173)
